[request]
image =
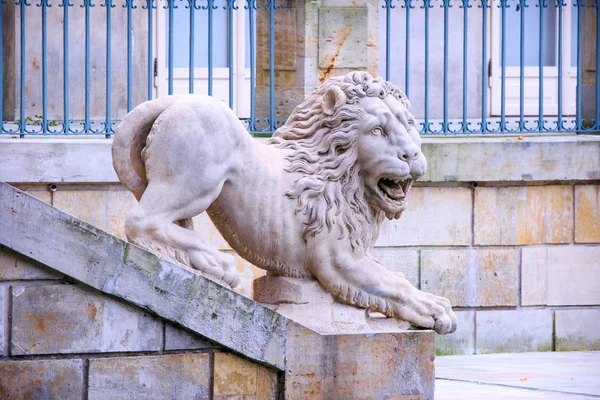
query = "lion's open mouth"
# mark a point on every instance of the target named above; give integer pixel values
(395, 189)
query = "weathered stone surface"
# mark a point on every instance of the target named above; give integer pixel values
(544, 270)
(486, 159)
(466, 159)
(502, 331)
(4, 326)
(577, 330)
(235, 376)
(204, 225)
(108, 264)
(587, 213)
(401, 261)
(523, 215)
(14, 267)
(105, 208)
(41, 379)
(472, 277)
(56, 160)
(180, 339)
(460, 342)
(436, 217)
(40, 192)
(342, 37)
(377, 366)
(67, 319)
(169, 376)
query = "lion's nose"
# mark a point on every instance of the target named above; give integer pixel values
(408, 155)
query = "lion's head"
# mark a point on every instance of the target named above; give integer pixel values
(355, 142)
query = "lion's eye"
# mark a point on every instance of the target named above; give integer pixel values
(411, 122)
(378, 131)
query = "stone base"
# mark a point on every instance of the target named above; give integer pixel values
(307, 303)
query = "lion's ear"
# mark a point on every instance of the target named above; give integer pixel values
(334, 98)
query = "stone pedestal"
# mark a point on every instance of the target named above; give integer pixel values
(347, 352)
(307, 303)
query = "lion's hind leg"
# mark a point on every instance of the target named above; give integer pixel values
(162, 224)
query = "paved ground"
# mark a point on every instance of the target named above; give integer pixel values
(523, 376)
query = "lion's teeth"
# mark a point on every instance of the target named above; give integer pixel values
(397, 181)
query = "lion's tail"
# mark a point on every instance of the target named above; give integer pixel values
(130, 140)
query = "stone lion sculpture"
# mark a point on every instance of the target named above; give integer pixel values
(307, 204)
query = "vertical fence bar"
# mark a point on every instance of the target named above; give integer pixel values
(388, 6)
(484, 66)
(446, 5)
(130, 7)
(272, 65)
(191, 51)
(503, 7)
(22, 4)
(230, 5)
(559, 124)
(1, 72)
(171, 7)
(251, 8)
(597, 122)
(426, 7)
(108, 4)
(66, 5)
(541, 4)
(578, 115)
(150, 6)
(210, 47)
(87, 4)
(44, 5)
(466, 7)
(522, 67)
(407, 50)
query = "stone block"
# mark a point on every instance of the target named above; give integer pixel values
(462, 341)
(204, 225)
(41, 379)
(62, 319)
(4, 326)
(14, 267)
(403, 262)
(587, 213)
(360, 366)
(169, 376)
(248, 273)
(523, 215)
(271, 289)
(513, 331)
(104, 208)
(544, 270)
(181, 339)
(436, 216)
(235, 376)
(342, 37)
(577, 330)
(286, 42)
(39, 192)
(472, 277)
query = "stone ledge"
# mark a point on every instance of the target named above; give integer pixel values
(451, 159)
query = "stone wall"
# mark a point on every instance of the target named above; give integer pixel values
(507, 229)
(67, 341)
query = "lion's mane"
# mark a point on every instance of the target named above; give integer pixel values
(330, 193)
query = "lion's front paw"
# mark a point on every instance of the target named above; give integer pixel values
(429, 311)
(218, 265)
